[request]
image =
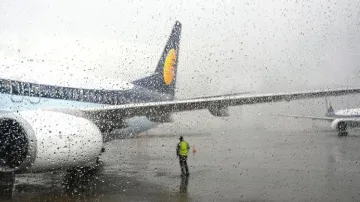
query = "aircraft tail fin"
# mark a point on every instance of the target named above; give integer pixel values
(329, 108)
(163, 80)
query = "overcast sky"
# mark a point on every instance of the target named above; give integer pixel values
(226, 46)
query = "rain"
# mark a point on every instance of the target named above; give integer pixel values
(94, 96)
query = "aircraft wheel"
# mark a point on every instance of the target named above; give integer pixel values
(343, 134)
(342, 128)
(7, 181)
(82, 179)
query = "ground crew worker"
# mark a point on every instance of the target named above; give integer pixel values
(182, 151)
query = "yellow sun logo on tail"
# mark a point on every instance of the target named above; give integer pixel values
(169, 67)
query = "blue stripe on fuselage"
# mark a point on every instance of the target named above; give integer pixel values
(14, 103)
(16, 95)
(18, 103)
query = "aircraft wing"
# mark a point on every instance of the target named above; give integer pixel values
(216, 105)
(223, 95)
(352, 121)
(307, 117)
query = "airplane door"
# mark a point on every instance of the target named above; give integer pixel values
(33, 92)
(17, 92)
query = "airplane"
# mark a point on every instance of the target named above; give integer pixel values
(53, 120)
(340, 120)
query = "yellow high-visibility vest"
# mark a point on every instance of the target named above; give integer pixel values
(184, 148)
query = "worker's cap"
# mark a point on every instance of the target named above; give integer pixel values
(181, 138)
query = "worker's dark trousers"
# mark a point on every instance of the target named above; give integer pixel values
(183, 165)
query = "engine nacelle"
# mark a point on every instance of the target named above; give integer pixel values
(32, 141)
(335, 123)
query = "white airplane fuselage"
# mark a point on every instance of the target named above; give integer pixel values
(347, 113)
(21, 77)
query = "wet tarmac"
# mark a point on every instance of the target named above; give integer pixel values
(250, 156)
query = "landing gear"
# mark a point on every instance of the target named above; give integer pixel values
(81, 179)
(342, 129)
(342, 134)
(7, 181)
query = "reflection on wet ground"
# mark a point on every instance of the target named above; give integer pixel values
(268, 163)
(299, 167)
(96, 186)
(184, 184)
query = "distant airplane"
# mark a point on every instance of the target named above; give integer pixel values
(340, 119)
(56, 120)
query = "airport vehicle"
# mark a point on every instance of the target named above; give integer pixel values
(53, 120)
(340, 120)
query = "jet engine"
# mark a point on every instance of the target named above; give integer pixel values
(40, 140)
(340, 125)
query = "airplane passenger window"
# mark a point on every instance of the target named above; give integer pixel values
(86, 95)
(79, 94)
(120, 99)
(34, 90)
(114, 99)
(26, 88)
(97, 96)
(45, 91)
(53, 91)
(106, 97)
(101, 97)
(60, 92)
(68, 93)
(92, 97)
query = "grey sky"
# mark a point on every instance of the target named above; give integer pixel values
(226, 46)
